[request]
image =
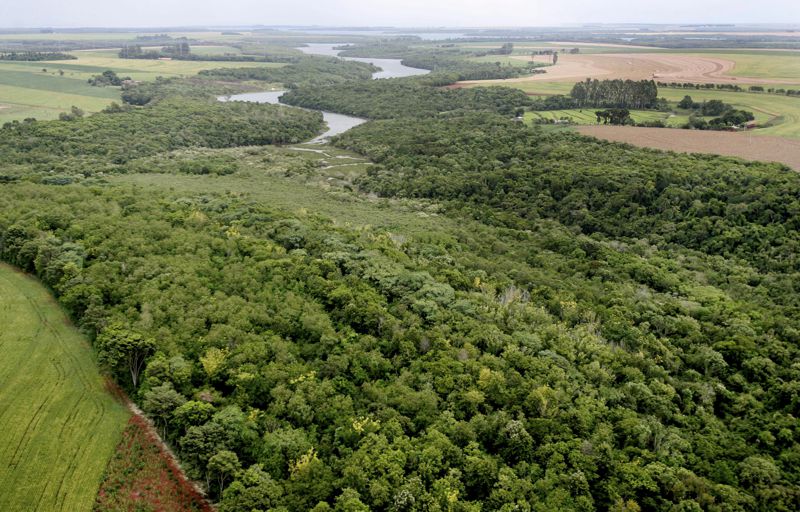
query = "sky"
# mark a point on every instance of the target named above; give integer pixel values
(398, 13)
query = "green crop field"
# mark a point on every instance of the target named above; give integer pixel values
(43, 90)
(59, 425)
(90, 61)
(776, 66)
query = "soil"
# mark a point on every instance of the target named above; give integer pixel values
(663, 67)
(742, 145)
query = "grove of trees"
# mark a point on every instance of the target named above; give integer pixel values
(640, 94)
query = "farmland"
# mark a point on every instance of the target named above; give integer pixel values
(587, 116)
(59, 424)
(778, 115)
(43, 90)
(743, 145)
(780, 68)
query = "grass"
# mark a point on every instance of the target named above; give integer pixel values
(782, 111)
(772, 65)
(149, 69)
(587, 116)
(27, 91)
(780, 114)
(301, 179)
(59, 424)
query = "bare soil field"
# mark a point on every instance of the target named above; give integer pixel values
(642, 66)
(742, 145)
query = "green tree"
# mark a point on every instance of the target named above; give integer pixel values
(224, 465)
(124, 351)
(160, 404)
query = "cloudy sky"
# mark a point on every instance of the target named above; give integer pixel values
(155, 13)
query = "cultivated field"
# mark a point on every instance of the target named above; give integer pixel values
(742, 145)
(59, 424)
(672, 67)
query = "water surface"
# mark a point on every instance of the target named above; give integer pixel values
(390, 68)
(337, 123)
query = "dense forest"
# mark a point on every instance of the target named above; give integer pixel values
(97, 143)
(408, 97)
(310, 70)
(569, 324)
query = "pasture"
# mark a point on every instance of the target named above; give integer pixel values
(779, 115)
(43, 90)
(587, 116)
(60, 426)
(781, 112)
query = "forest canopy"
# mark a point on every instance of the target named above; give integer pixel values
(520, 319)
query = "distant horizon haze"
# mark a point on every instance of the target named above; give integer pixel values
(391, 13)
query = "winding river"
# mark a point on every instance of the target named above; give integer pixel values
(337, 123)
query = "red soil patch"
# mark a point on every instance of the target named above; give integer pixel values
(742, 145)
(142, 477)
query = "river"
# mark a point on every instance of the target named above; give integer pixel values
(390, 68)
(337, 123)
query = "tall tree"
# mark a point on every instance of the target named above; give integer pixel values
(124, 351)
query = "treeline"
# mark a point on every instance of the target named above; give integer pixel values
(108, 78)
(383, 99)
(642, 94)
(732, 87)
(144, 93)
(310, 70)
(465, 69)
(177, 50)
(36, 56)
(726, 115)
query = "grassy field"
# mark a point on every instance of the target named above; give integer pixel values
(44, 89)
(781, 113)
(587, 116)
(772, 65)
(59, 424)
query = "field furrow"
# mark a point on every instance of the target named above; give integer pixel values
(60, 425)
